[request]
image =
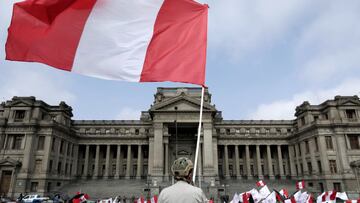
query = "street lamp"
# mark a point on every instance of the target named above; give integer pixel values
(226, 196)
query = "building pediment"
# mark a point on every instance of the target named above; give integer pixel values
(10, 162)
(181, 103)
(350, 103)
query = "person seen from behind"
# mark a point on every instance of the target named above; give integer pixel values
(183, 190)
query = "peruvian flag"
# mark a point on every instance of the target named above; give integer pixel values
(284, 192)
(154, 199)
(140, 200)
(84, 197)
(129, 40)
(260, 183)
(352, 201)
(300, 185)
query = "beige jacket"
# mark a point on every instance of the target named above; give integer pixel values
(182, 192)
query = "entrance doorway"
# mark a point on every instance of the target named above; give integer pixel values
(5, 182)
(182, 141)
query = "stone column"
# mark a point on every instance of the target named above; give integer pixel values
(303, 158)
(128, 163)
(47, 151)
(166, 161)
(291, 160)
(208, 155)
(297, 160)
(97, 157)
(215, 156)
(57, 153)
(139, 162)
(237, 162)
(118, 154)
(75, 160)
(107, 162)
(280, 160)
(323, 156)
(63, 166)
(86, 164)
(158, 151)
(269, 159)
(226, 158)
(151, 156)
(342, 155)
(258, 162)
(315, 167)
(28, 155)
(248, 169)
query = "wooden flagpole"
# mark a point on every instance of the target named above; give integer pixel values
(199, 132)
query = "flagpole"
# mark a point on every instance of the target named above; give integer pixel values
(199, 132)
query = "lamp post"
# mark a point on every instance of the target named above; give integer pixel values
(226, 196)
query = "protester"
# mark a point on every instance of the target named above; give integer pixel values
(183, 190)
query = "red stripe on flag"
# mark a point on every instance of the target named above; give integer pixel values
(177, 51)
(47, 31)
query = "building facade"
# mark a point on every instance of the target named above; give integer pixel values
(43, 149)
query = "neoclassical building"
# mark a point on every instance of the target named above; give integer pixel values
(43, 149)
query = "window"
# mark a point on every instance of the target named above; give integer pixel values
(302, 121)
(354, 141)
(302, 169)
(316, 118)
(19, 115)
(41, 141)
(319, 165)
(329, 144)
(34, 186)
(53, 144)
(299, 148)
(136, 131)
(50, 165)
(228, 131)
(59, 168)
(252, 169)
(309, 167)
(61, 146)
(17, 142)
(307, 146)
(333, 168)
(350, 113)
(337, 187)
(316, 144)
(321, 186)
(326, 116)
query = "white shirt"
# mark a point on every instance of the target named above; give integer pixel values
(182, 192)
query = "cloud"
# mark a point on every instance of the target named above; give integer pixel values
(329, 46)
(128, 113)
(240, 26)
(285, 109)
(46, 87)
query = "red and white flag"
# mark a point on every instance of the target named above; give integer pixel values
(154, 199)
(284, 192)
(260, 183)
(352, 201)
(84, 198)
(140, 200)
(300, 185)
(137, 40)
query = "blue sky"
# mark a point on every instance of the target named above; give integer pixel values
(264, 59)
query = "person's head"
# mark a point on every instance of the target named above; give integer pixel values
(182, 169)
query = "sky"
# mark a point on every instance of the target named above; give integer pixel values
(264, 58)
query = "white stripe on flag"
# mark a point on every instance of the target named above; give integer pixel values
(115, 39)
